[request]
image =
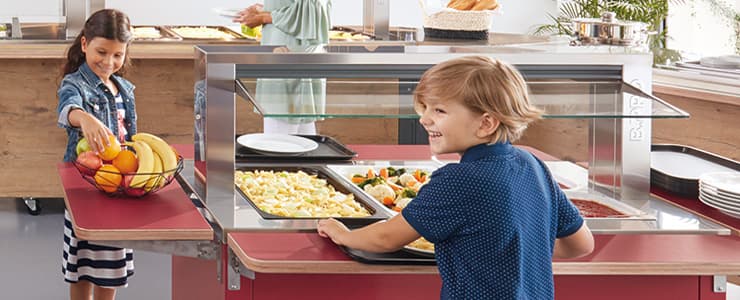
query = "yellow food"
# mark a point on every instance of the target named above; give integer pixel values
(201, 33)
(146, 164)
(158, 145)
(421, 244)
(461, 4)
(296, 194)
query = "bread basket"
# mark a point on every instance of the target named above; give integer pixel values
(450, 23)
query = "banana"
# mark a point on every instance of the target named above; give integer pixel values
(155, 180)
(146, 164)
(158, 145)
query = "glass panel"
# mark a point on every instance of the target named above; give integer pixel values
(392, 98)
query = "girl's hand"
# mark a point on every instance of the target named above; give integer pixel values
(333, 229)
(95, 132)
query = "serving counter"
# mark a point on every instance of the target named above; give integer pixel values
(269, 264)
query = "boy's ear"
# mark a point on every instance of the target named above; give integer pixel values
(488, 125)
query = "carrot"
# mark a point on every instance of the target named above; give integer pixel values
(388, 201)
(396, 208)
(384, 173)
(417, 175)
(358, 179)
(370, 174)
(411, 183)
(423, 178)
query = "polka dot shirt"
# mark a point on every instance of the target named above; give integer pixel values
(494, 218)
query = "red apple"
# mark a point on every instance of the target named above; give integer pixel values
(130, 191)
(90, 163)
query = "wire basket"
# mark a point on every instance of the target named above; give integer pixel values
(108, 184)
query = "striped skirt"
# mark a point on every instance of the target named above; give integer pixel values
(101, 265)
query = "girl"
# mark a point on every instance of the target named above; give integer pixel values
(497, 218)
(95, 102)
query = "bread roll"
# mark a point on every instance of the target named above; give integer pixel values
(462, 4)
(485, 5)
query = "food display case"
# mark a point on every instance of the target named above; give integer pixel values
(608, 89)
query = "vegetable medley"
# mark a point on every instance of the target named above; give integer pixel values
(395, 188)
(297, 194)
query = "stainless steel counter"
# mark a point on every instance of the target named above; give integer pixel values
(661, 216)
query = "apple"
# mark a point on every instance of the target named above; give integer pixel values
(130, 191)
(90, 163)
(83, 146)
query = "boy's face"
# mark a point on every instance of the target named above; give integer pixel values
(105, 57)
(452, 127)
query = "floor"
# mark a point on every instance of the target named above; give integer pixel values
(32, 253)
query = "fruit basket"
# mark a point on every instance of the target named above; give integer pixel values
(134, 184)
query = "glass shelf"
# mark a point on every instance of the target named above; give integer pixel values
(392, 98)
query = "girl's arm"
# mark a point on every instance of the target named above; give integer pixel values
(95, 131)
(579, 244)
(385, 236)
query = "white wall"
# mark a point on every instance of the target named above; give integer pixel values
(519, 16)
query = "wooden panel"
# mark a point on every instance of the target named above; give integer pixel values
(713, 126)
(566, 139)
(31, 143)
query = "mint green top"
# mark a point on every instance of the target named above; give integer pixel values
(302, 26)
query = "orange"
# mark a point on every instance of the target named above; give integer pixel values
(110, 152)
(126, 162)
(108, 178)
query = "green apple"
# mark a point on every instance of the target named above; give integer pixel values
(83, 146)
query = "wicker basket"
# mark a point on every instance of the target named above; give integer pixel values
(457, 24)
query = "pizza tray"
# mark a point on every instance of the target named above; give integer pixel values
(376, 214)
(329, 150)
(677, 168)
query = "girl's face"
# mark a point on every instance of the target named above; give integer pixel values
(452, 127)
(104, 56)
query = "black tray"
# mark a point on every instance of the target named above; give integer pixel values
(688, 187)
(323, 173)
(393, 258)
(329, 149)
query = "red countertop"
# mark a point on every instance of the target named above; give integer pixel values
(699, 208)
(642, 254)
(165, 215)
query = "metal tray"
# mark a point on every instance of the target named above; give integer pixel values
(226, 30)
(345, 172)
(164, 34)
(329, 149)
(630, 212)
(376, 214)
(392, 258)
(681, 175)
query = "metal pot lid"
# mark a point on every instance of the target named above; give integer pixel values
(607, 18)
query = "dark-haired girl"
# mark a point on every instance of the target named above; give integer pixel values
(95, 102)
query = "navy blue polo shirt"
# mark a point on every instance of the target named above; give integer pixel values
(494, 218)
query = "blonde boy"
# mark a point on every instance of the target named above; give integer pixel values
(497, 218)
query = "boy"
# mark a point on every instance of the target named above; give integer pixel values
(497, 218)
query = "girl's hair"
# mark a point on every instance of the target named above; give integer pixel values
(110, 24)
(482, 85)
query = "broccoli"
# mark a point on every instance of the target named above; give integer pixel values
(372, 181)
(408, 193)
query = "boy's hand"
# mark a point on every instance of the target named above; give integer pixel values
(333, 229)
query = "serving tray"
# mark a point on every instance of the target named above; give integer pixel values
(231, 33)
(677, 168)
(329, 149)
(376, 214)
(400, 257)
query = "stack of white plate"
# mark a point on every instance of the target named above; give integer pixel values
(721, 190)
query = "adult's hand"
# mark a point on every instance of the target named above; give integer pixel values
(252, 16)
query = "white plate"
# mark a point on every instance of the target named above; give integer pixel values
(721, 208)
(277, 143)
(731, 204)
(230, 13)
(724, 181)
(710, 190)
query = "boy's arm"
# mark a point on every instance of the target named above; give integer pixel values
(578, 244)
(385, 236)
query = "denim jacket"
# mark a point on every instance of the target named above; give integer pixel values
(84, 90)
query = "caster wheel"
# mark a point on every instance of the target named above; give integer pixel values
(32, 205)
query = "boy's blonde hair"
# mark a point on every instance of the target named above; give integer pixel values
(483, 85)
